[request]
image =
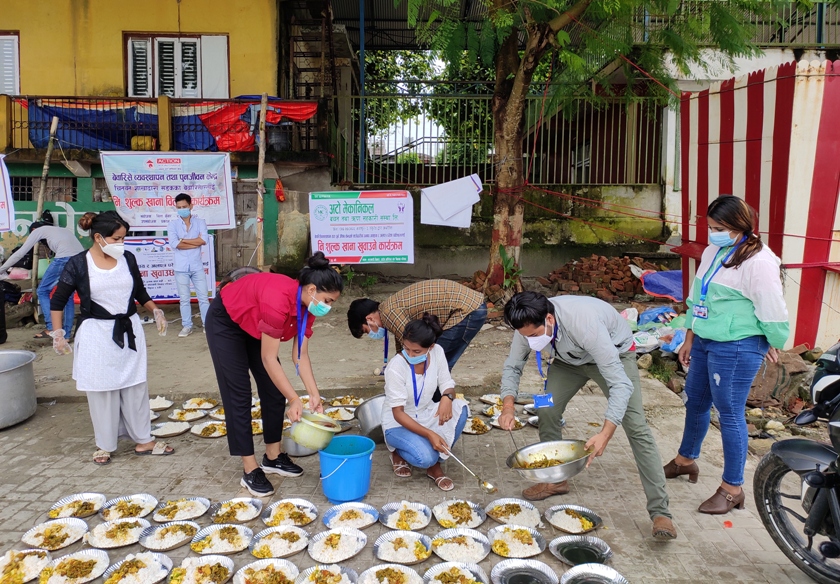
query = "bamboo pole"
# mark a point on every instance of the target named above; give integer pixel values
(260, 185)
(40, 208)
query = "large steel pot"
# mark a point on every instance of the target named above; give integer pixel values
(573, 452)
(369, 415)
(17, 387)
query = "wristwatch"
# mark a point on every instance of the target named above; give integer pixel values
(450, 396)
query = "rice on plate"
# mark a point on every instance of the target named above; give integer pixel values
(222, 539)
(453, 575)
(181, 509)
(169, 429)
(514, 512)
(280, 542)
(131, 506)
(200, 403)
(571, 521)
(170, 536)
(75, 568)
(340, 414)
(336, 545)
(116, 533)
(407, 517)
(54, 535)
(406, 548)
(19, 566)
(459, 548)
(267, 572)
(390, 574)
(159, 403)
(210, 570)
(356, 518)
(289, 513)
(142, 568)
(81, 505)
(240, 509)
(326, 575)
(513, 541)
(457, 513)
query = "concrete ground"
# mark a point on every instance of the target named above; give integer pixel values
(49, 457)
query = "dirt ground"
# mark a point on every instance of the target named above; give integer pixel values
(181, 366)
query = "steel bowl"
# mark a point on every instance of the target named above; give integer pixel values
(575, 550)
(292, 448)
(592, 574)
(517, 571)
(573, 451)
(369, 415)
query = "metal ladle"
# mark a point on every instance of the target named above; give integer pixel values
(484, 485)
(519, 461)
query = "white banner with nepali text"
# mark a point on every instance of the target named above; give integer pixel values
(144, 185)
(363, 227)
(156, 262)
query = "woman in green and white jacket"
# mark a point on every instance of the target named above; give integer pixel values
(736, 317)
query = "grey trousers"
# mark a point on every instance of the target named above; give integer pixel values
(564, 381)
(120, 412)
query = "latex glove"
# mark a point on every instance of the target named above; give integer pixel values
(60, 344)
(160, 321)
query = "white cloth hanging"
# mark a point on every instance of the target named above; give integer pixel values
(450, 204)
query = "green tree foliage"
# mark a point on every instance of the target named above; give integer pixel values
(382, 69)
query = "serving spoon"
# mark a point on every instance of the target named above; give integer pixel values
(485, 486)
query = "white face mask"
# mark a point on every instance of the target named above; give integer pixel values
(541, 342)
(115, 250)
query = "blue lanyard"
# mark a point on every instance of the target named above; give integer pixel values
(385, 358)
(417, 396)
(301, 329)
(707, 278)
(539, 362)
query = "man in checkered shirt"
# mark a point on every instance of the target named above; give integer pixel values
(461, 311)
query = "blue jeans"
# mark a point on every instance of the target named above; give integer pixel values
(721, 374)
(416, 450)
(199, 282)
(48, 282)
(455, 341)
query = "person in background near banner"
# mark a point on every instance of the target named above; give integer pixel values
(737, 315)
(63, 243)
(187, 235)
(588, 339)
(110, 358)
(461, 311)
(248, 320)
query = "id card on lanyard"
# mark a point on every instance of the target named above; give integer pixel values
(546, 400)
(700, 309)
(301, 329)
(417, 396)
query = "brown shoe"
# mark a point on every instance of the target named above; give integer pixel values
(722, 502)
(542, 491)
(663, 528)
(673, 470)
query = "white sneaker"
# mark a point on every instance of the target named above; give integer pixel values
(185, 332)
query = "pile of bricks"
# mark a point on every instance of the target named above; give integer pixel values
(609, 279)
(496, 295)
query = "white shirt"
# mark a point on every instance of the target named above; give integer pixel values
(399, 392)
(99, 364)
(187, 260)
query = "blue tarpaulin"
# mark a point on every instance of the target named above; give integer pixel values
(664, 284)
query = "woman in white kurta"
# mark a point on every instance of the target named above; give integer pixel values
(110, 346)
(421, 417)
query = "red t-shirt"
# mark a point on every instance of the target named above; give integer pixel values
(265, 303)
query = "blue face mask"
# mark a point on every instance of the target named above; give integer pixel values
(721, 239)
(377, 335)
(184, 213)
(415, 360)
(318, 308)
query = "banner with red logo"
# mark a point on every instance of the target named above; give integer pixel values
(144, 185)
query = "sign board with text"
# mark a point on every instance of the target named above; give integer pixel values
(156, 261)
(144, 185)
(363, 227)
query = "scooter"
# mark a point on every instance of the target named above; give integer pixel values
(797, 484)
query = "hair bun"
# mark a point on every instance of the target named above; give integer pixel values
(86, 221)
(318, 261)
(433, 322)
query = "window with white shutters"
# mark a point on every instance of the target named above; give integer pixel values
(9, 65)
(176, 66)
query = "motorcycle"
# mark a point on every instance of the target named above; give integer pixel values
(797, 484)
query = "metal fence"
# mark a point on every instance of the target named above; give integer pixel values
(774, 24)
(443, 137)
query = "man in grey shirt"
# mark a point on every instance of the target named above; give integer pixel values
(64, 245)
(587, 339)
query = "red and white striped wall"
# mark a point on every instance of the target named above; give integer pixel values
(773, 138)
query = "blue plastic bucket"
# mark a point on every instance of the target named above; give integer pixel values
(345, 468)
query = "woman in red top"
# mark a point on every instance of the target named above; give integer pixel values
(245, 325)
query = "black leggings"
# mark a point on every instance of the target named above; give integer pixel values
(234, 353)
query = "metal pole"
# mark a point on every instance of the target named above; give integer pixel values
(40, 209)
(260, 185)
(362, 122)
